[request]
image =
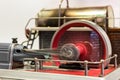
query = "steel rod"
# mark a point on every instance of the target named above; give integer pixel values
(115, 61)
(42, 51)
(102, 68)
(37, 64)
(86, 67)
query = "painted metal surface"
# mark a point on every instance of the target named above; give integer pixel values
(81, 23)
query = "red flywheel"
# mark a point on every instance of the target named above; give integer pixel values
(82, 49)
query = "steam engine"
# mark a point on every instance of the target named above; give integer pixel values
(71, 38)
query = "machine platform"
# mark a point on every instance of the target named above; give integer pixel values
(110, 74)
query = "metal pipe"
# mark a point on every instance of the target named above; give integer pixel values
(29, 22)
(81, 62)
(41, 65)
(37, 64)
(59, 13)
(64, 21)
(115, 64)
(86, 67)
(67, 3)
(41, 51)
(102, 68)
(69, 18)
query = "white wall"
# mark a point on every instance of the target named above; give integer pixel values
(14, 14)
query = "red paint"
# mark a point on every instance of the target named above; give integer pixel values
(83, 51)
(91, 72)
(62, 30)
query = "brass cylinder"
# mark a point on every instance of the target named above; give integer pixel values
(102, 15)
